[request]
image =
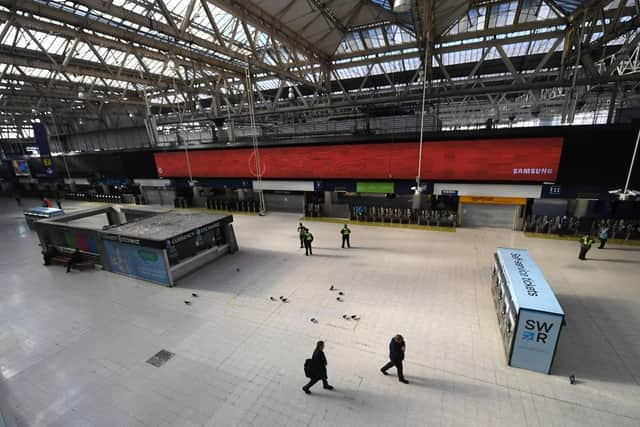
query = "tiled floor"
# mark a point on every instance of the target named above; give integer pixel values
(73, 346)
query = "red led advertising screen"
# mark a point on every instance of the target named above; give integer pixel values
(518, 159)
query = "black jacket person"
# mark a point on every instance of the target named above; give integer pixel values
(396, 356)
(75, 258)
(318, 369)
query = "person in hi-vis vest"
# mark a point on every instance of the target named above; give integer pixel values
(346, 232)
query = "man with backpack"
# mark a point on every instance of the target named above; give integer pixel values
(316, 369)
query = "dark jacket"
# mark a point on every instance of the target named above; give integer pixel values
(76, 257)
(319, 365)
(396, 350)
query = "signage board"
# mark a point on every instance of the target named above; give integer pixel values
(535, 340)
(137, 261)
(20, 168)
(515, 159)
(485, 200)
(375, 187)
(526, 283)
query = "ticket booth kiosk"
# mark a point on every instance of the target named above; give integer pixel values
(529, 315)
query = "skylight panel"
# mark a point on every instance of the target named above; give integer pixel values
(502, 14)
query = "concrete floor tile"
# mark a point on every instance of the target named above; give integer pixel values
(73, 346)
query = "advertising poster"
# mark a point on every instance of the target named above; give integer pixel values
(20, 168)
(86, 242)
(513, 159)
(137, 261)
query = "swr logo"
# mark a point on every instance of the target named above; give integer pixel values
(536, 331)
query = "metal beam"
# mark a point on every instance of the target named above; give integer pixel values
(251, 13)
(32, 58)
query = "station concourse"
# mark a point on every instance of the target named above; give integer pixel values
(309, 213)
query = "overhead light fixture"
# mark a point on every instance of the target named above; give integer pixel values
(627, 192)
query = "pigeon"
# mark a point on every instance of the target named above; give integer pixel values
(194, 295)
(340, 293)
(354, 317)
(572, 379)
(283, 299)
(273, 299)
(314, 320)
(339, 299)
(345, 317)
(332, 288)
(188, 302)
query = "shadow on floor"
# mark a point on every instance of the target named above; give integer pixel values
(470, 388)
(622, 261)
(368, 248)
(592, 346)
(611, 248)
(320, 255)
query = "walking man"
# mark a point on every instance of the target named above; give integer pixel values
(301, 229)
(345, 236)
(308, 238)
(585, 245)
(317, 369)
(396, 356)
(604, 235)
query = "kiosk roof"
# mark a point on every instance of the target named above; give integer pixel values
(167, 225)
(528, 287)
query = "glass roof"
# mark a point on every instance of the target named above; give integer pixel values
(211, 43)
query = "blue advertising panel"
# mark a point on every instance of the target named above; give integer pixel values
(527, 285)
(534, 343)
(529, 314)
(41, 136)
(137, 261)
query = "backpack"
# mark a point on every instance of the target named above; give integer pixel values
(307, 368)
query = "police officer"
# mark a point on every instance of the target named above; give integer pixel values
(301, 230)
(345, 236)
(585, 245)
(308, 238)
